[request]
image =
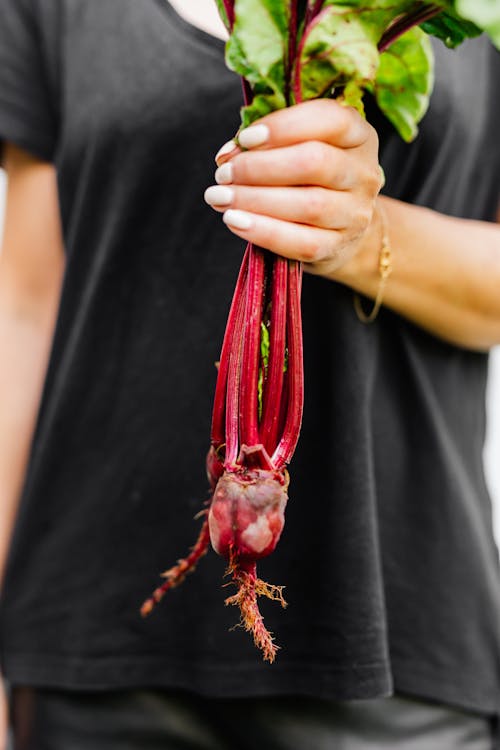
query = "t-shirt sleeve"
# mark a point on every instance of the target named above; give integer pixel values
(27, 114)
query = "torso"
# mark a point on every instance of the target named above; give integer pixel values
(390, 452)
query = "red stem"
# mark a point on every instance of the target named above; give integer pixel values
(313, 8)
(176, 575)
(229, 8)
(296, 69)
(249, 419)
(292, 48)
(284, 405)
(285, 450)
(232, 329)
(273, 386)
(247, 91)
(402, 25)
(232, 429)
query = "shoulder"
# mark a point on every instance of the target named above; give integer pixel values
(29, 74)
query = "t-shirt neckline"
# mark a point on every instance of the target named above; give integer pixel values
(191, 29)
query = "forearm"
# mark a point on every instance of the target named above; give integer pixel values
(446, 273)
(25, 337)
(32, 264)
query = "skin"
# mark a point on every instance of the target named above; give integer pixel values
(31, 267)
(202, 13)
(311, 192)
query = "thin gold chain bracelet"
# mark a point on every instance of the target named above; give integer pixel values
(384, 270)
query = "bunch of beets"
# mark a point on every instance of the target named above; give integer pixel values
(255, 427)
(323, 49)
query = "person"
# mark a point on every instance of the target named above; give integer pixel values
(115, 282)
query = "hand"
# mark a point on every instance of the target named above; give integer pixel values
(306, 186)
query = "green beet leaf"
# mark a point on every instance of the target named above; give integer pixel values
(338, 51)
(262, 105)
(258, 51)
(352, 95)
(340, 45)
(451, 29)
(483, 13)
(223, 14)
(265, 345)
(404, 81)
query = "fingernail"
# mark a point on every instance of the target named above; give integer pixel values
(238, 219)
(224, 174)
(225, 149)
(255, 135)
(219, 195)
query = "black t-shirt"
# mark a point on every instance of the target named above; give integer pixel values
(390, 567)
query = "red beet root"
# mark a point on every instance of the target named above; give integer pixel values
(245, 520)
(247, 513)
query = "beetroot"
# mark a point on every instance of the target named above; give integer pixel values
(247, 513)
(255, 427)
(246, 519)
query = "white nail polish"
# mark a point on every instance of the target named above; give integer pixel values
(255, 135)
(219, 195)
(225, 149)
(224, 174)
(238, 219)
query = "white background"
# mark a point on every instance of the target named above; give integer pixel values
(492, 450)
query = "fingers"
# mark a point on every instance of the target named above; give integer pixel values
(321, 120)
(301, 182)
(314, 206)
(309, 244)
(296, 241)
(310, 163)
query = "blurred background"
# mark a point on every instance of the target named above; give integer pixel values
(492, 449)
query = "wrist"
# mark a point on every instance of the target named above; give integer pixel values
(361, 271)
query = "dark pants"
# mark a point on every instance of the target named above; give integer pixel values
(167, 720)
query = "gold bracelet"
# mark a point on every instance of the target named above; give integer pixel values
(384, 271)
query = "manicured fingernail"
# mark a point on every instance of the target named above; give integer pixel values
(219, 195)
(224, 174)
(255, 135)
(238, 219)
(225, 149)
